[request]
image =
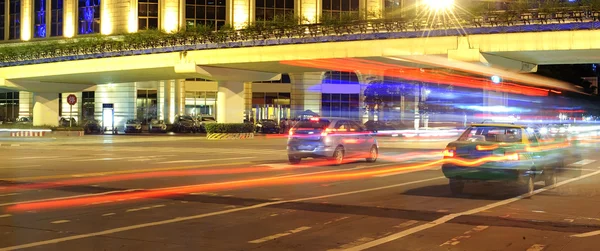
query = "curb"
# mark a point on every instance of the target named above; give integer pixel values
(218, 136)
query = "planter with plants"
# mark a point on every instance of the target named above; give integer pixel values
(218, 131)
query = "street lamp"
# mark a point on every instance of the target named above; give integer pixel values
(438, 5)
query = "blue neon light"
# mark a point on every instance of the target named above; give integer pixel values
(86, 16)
(40, 29)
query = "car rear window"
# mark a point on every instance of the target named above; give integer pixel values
(319, 124)
(492, 134)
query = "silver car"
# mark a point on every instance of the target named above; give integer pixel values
(332, 138)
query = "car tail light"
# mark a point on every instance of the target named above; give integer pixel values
(291, 132)
(327, 132)
(512, 156)
(449, 152)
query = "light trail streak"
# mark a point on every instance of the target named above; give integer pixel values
(238, 184)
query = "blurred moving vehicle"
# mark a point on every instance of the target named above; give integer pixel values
(24, 121)
(156, 125)
(92, 126)
(267, 126)
(331, 138)
(185, 123)
(66, 122)
(514, 153)
(133, 126)
(202, 120)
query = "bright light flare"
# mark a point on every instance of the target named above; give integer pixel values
(439, 5)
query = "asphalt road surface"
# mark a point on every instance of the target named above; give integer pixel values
(188, 193)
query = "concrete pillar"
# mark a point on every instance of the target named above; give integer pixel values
(179, 97)
(169, 101)
(240, 13)
(45, 109)
(309, 10)
(69, 18)
(371, 9)
(170, 18)
(306, 92)
(25, 104)
(247, 100)
(230, 102)
(26, 19)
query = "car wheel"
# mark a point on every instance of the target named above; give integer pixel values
(456, 186)
(373, 154)
(527, 186)
(294, 159)
(550, 178)
(338, 155)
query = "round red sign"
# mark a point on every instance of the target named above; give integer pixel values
(72, 99)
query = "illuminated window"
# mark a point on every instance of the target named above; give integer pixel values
(335, 8)
(210, 13)
(147, 14)
(89, 16)
(40, 18)
(9, 106)
(56, 18)
(14, 19)
(267, 10)
(340, 105)
(270, 105)
(200, 103)
(340, 77)
(393, 8)
(2, 17)
(147, 105)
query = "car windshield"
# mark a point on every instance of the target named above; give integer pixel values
(313, 124)
(492, 134)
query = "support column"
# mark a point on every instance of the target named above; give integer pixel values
(240, 13)
(371, 9)
(169, 101)
(248, 100)
(171, 17)
(230, 102)
(26, 19)
(306, 92)
(45, 109)
(69, 17)
(179, 97)
(25, 104)
(309, 10)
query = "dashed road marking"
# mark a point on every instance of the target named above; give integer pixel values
(108, 214)
(536, 247)
(456, 240)
(583, 162)
(353, 243)
(60, 221)
(5, 215)
(450, 217)
(200, 216)
(143, 208)
(406, 224)
(275, 236)
(202, 160)
(8, 194)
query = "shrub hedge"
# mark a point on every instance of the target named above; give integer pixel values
(229, 128)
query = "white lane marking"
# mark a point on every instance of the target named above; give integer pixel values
(5, 215)
(25, 166)
(143, 208)
(401, 172)
(583, 162)
(201, 160)
(8, 194)
(108, 214)
(99, 159)
(69, 197)
(536, 247)
(60, 221)
(38, 157)
(353, 243)
(406, 224)
(199, 216)
(450, 217)
(466, 235)
(588, 234)
(275, 236)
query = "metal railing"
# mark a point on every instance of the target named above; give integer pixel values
(148, 42)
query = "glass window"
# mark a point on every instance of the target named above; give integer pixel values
(9, 106)
(2, 17)
(89, 16)
(492, 134)
(340, 77)
(147, 105)
(14, 19)
(87, 105)
(39, 18)
(147, 14)
(210, 13)
(338, 8)
(393, 8)
(56, 21)
(274, 10)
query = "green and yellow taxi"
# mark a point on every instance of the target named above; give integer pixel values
(503, 152)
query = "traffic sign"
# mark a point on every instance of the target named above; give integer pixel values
(72, 99)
